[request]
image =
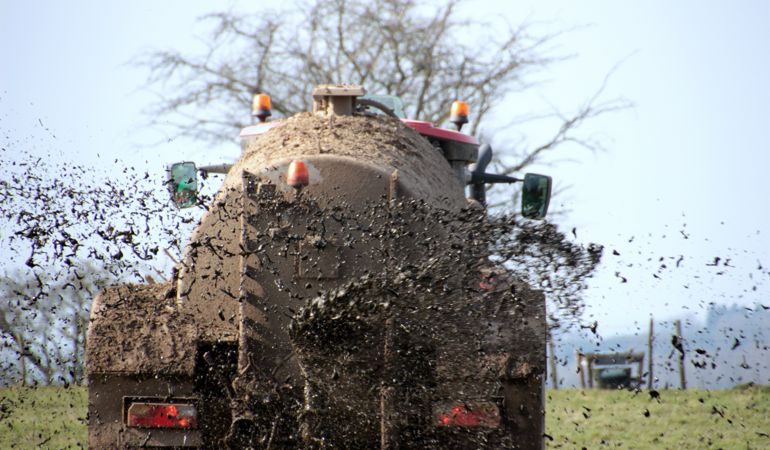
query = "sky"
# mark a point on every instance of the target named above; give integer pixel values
(683, 172)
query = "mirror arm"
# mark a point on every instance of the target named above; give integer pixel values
(216, 168)
(478, 182)
(491, 178)
(479, 178)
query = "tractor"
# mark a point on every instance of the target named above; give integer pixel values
(336, 293)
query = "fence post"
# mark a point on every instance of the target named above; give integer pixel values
(579, 358)
(682, 377)
(650, 340)
(552, 349)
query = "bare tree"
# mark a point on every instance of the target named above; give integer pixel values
(424, 54)
(43, 320)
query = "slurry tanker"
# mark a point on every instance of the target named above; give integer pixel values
(340, 291)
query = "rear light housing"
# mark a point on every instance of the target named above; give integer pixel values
(162, 415)
(467, 414)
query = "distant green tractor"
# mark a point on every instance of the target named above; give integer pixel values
(616, 373)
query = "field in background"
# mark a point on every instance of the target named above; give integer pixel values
(731, 419)
(49, 417)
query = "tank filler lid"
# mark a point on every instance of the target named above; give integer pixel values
(336, 99)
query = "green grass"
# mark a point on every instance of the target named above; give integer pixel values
(731, 419)
(728, 419)
(45, 418)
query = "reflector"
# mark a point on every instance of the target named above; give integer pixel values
(162, 415)
(297, 175)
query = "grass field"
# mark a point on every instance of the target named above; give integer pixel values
(50, 417)
(731, 419)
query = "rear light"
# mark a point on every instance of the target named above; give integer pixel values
(162, 415)
(479, 414)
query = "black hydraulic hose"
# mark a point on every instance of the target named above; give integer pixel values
(377, 105)
(485, 157)
(478, 190)
(479, 178)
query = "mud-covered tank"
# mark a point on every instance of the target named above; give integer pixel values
(322, 302)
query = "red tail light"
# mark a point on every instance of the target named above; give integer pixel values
(162, 415)
(480, 414)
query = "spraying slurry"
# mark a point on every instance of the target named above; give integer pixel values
(339, 291)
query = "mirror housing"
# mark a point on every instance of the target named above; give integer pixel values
(183, 184)
(535, 196)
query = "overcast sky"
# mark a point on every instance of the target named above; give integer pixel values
(683, 174)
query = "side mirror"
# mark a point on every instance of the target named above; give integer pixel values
(535, 196)
(183, 184)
